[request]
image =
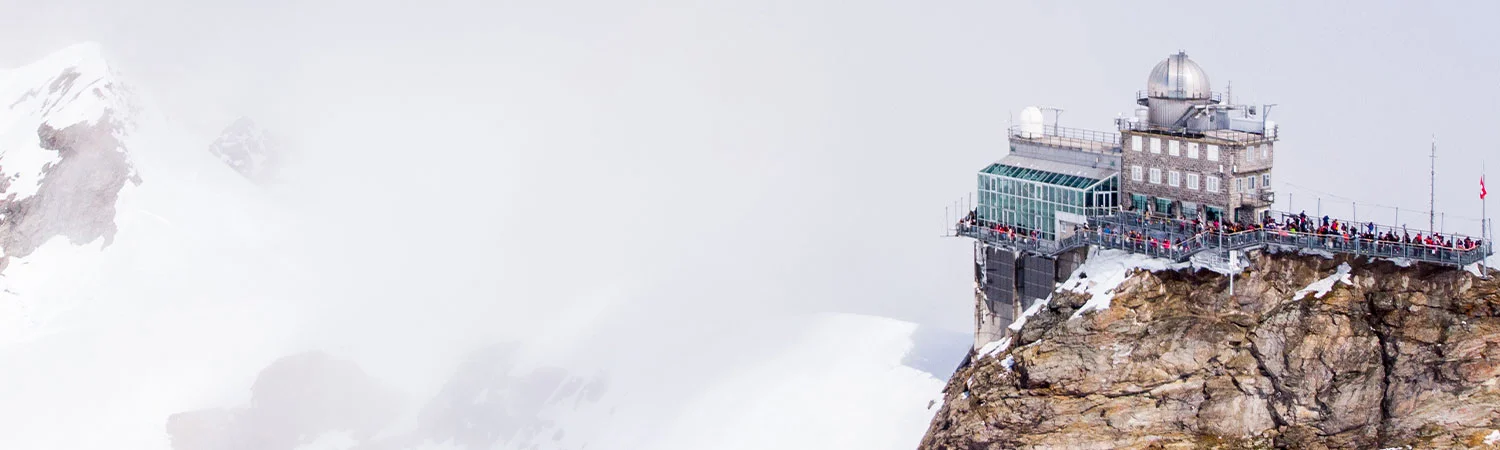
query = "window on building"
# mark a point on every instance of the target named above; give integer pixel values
(1135, 173)
(1156, 145)
(1174, 178)
(1239, 184)
(1265, 152)
(1135, 143)
(1173, 149)
(1211, 184)
(1192, 150)
(1213, 152)
(1265, 180)
(1155, 175)
(1250, 154)
(1192, 181)
(1250, 182)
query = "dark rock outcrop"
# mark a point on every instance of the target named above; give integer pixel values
(76, 197)
(1400, 356)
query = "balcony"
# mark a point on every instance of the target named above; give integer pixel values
(1141, 97)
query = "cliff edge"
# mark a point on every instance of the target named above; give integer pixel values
(1309, 352)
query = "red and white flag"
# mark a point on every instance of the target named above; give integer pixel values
(1482, 192)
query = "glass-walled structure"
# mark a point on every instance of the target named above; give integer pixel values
(1046, 197)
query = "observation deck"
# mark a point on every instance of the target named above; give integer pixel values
(1179, 240)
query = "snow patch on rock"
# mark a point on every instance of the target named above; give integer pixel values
(1473, 269)
(1322, 287)
(1035, 307)
(995, 347)
(1105, 270)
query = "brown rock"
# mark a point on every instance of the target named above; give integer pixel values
(1403, 356)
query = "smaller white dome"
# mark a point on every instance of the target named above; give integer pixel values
(1031, 122)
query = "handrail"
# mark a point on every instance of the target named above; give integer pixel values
(1170, 239)
(1126, 125)
(1071, 133)
(1217, 97)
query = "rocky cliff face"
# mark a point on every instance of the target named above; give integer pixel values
(1387, 356)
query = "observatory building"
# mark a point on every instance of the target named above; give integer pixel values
(1184, 154)
(1187, 176)
(1188, 154)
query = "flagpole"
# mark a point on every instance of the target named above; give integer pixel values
(1484, 220)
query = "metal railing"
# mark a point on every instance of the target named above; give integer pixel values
(1216, 97)
(1069, 133)
(1249, 137)
(1179, 240)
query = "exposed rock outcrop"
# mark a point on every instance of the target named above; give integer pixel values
(1392, 357)
(76, 196)
(249, 149)
(63, 162)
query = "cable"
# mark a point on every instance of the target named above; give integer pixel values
(1356, 202)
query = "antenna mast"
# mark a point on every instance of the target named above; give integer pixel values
(1432, 190)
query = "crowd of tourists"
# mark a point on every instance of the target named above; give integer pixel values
(1160, 235)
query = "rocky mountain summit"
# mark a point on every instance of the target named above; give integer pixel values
(1308, 352)
(249, 149)
(63, 162)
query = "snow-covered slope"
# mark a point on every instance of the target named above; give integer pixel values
(69, 87)
(129, 284)
(842, 385)
(811, 382)
(145, 279)
(62, 121)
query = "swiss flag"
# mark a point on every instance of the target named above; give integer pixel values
(1482, 192)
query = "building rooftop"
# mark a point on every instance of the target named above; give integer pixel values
(1050, 172)
(1071, 138)
(1226, 135)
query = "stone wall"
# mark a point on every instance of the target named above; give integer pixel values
(1234, 162)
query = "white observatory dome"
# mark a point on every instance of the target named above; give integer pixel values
(1178, 77)
(1031, 122)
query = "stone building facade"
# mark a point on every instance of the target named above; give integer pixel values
(1196, 175)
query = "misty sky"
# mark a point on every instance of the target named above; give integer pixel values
(790, 155)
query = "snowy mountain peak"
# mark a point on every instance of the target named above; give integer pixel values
(62, 158)
(67, 87)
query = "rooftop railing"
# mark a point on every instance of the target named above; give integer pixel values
(1068, 133)
(1216, 97)
(1125, 124)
